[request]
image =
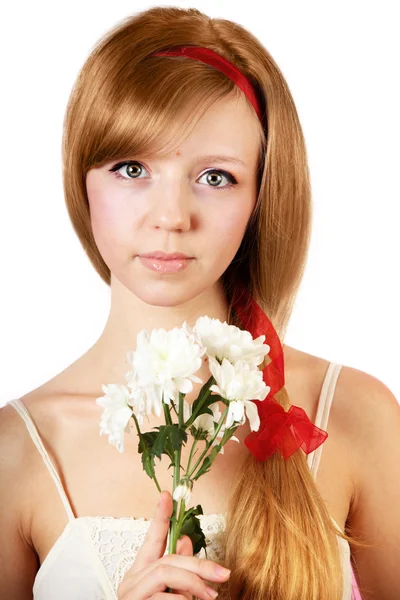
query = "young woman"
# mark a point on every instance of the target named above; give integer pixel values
(182, 154)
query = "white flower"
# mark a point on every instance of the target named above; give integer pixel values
(164, 364)
(239, 383)
(116, 415)
(227, 341)
(205, 423)
(236, 413)
(142, 405)
(182, 492)
(145, 400)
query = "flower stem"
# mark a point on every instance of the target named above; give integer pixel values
(174, 407)
(167, 414)
(175, 526)
(173, 538)
(208, 444)
(180, 519)
(181, 397)
(191, 455)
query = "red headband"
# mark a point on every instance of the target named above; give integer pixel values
(279, 430)
(220, 63)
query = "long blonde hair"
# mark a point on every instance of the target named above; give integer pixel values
(281, 543)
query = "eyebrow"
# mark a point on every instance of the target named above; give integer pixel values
(222, 158)
(208, 157)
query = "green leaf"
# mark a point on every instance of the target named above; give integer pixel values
(204, 408)
(148, 464)
(169, 439)
(204, 390)
(207, 462)
(146, 442)
(192, 528)
(177, 436)
(203, 397)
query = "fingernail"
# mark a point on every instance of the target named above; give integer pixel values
(222, 571)
(212, 593)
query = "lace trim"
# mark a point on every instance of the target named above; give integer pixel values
(118, 540)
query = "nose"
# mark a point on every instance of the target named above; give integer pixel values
(171, 209)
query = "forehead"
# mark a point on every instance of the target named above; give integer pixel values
(230, 124)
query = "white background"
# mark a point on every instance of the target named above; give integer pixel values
(341, 61)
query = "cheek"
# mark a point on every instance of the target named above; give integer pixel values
(108, 225)
(227, 231)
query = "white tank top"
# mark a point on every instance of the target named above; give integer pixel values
(90, 558)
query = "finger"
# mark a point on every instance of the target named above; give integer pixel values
(207, 570)
(188, 572)
(184, 546)
(167, 596)
(155, 541)
(166, 575)
(181, 594)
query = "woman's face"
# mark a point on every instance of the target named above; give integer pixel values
(188, 201)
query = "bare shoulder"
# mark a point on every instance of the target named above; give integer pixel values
(20, 462)
(14, 443)
(366, 401)
(371, 419)
(17, 464)
(19, 561)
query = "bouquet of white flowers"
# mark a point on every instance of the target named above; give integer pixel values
(163, 369)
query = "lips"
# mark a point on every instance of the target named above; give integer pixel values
(162, 265)
(164, 256)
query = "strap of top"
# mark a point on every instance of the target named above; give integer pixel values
(24, 413)
(323, 410)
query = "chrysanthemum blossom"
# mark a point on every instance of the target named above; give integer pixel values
(142, 405)
(145, 401)
(239, 383)
(222, 340)
(205, 422)
(116, 415)
(164, 364)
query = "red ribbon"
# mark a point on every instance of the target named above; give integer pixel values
(279, 430)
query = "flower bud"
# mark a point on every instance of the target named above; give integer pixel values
(182, 492)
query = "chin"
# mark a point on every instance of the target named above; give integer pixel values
(166, 294)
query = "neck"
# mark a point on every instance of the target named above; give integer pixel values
(129, 314)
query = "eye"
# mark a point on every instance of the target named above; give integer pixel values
(214, 178)
(134, 168)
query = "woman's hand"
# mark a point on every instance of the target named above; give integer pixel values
(152, 572)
